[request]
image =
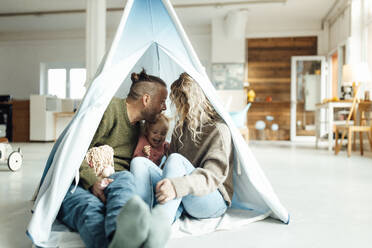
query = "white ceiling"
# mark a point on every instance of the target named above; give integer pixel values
(293, 11)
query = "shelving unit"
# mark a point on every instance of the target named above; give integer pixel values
(259, 110)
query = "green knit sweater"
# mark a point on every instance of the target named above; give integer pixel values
(116, 131)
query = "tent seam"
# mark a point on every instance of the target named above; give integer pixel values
(152, 21)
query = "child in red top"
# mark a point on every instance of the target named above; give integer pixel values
(152, 144)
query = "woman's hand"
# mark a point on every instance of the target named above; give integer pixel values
(165, 191)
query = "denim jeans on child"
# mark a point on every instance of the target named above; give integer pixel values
(147, 175)
(95, 221)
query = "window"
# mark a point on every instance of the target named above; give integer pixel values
(64, 81)
(77, 81)
(57, 82)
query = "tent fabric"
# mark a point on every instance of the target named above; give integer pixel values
(62, 237)
(149, 36)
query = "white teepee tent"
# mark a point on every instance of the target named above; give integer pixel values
(149, 36)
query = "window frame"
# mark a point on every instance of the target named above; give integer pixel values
(44, 68)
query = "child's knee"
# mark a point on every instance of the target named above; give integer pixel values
(138, 160)
(138, 164)
(175, 165)
(175, 157)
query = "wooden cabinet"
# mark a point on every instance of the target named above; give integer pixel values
(17, 120)
(21, 120)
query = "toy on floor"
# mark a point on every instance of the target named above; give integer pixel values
(14, 159)
(101, 159)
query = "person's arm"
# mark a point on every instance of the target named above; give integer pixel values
(87, 176)
(214, 170)
(138, 152)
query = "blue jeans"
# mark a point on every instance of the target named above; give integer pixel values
(147, 175)
(96, 222)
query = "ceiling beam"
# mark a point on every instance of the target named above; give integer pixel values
(180, 6)
(222, 4)
(41, 13)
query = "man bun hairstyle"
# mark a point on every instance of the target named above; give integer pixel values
(134, 77)
(142, 83)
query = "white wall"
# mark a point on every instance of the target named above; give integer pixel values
(201, 40)
(22, 53)
(347, 28)
(352, 27)
(339, 29)
(20, 61)
(355, 41)
(226, 49)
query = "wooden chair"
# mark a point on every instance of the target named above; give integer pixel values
(364, 109)
(350, 128)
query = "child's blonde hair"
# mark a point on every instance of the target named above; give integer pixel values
(161, 118)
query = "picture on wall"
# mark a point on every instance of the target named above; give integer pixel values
(228, 76)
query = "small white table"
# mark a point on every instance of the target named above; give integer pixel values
(324, 120)
(58, 115)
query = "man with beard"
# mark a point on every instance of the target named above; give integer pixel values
(92, 209)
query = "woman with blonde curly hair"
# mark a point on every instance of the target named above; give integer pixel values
(197, 176)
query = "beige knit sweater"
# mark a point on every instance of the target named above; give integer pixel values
(212, 158)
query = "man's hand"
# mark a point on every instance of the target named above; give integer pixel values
(99, 186)
(147, 151)
(165, 191)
